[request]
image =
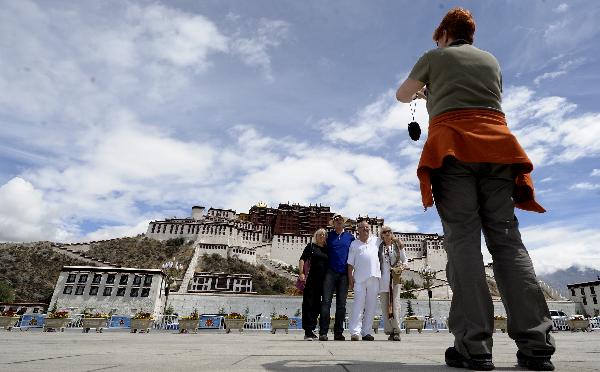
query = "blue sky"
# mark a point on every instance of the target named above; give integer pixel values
(114, 113)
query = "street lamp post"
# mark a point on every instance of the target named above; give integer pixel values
(172, 269)
(428, 276)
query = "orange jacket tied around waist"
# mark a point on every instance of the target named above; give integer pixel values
(476, 136)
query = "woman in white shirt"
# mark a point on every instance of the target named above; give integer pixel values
(391, 255)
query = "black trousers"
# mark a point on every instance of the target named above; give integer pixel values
(311, 301)
(471, 198)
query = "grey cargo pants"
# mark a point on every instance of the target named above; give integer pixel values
(471, 197)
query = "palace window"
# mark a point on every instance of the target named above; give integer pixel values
(146, 292)
(124, 279)
(93, 291)
(68, 289)
(121, 291)
(107, 291)
(592, 291)
(71, 278)
(134, 292)
(110, 279)
(148, 281)
(595, 300)
(137, 280)
(582, 291)
(83, 278)
(572, 291)
(79, 290)
(584, 300)
(97, 278)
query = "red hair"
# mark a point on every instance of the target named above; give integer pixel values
(458, 23)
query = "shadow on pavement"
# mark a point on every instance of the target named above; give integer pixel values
(355, 366)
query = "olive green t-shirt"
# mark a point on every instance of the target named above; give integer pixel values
(459, 76)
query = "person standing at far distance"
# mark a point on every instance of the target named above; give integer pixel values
(477, 172)
(315, 253)
(336, 279)
(392, 258)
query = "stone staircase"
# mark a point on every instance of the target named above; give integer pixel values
(272, 267)
(81, 256)
(550, 292)
(191, 269)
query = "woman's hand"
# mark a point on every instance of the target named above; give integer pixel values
(302, 277)
(422, 93)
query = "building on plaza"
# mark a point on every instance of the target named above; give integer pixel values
(586, 294)
(205, 282)
(110, 290)
(24, 307)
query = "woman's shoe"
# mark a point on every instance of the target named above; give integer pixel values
(534, 364)
(457, 360)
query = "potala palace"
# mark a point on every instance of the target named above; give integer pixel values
(273, 237)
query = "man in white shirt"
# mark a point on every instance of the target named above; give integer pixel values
(363, 274)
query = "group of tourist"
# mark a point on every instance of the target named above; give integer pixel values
(475, 170)
(335, 262)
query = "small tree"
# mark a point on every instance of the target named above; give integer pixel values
(409, 309)
(7, 294)
(170, 310)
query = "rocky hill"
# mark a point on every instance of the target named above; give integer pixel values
(141, 252)
(31, 270)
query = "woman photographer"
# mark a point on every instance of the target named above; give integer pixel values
(476, 171)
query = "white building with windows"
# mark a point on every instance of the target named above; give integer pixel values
(108, 289)
(586, 293)
(205, 282)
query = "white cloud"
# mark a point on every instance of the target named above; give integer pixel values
(549, 75)
(110, 232)
(585, 186)
(553, 247)
(377, 123)
(595, 173)
(254, 49)
(133, 164)
(549, 128)
(563, 68)
(403, 226)
(24, 214)
(354, 182)
(561, 8)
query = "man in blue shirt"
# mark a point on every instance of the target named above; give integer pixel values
(336, 279)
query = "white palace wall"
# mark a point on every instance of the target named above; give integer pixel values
(208, 233)
(289, 248)
(225, 251)
(184, 304)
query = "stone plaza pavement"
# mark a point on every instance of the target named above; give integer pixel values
(119, 350)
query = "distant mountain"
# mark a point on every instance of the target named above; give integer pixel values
(573, 274)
